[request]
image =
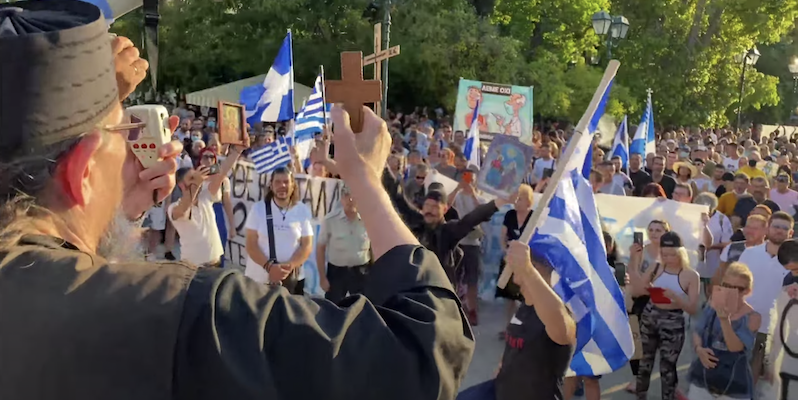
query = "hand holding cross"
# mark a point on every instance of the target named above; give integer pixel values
(352, 90)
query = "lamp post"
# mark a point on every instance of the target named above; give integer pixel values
(793, 66)
(745, 59)
(614, 27)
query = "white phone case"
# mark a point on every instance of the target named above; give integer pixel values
(153, 136)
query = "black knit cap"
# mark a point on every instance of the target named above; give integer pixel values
(57, 75)
(670, 239)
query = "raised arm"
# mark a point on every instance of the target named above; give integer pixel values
(409, 213)
(459, 229)
(215, 181)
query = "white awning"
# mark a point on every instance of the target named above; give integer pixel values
(229, 92)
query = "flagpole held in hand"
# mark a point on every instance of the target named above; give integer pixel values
(563, 166)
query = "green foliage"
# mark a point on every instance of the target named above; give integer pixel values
(683, 50)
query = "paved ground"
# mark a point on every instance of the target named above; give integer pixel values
(489, 351)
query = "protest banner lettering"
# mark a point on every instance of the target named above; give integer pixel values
(247, 187)
(503, 109)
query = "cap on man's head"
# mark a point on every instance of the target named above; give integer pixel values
(670, 239)
(437, 195)
(57, 76)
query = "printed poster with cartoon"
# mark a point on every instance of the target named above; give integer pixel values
(503, 109)
(505, 166)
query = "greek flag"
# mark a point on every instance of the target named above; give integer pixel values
(310, 121)
(272, 156)
(643, 142)
(471, 148)
(570, 239)
(273, 100)
(620, 146)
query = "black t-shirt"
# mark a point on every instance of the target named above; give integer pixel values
(746, 204)
(668, 185)
(511, 223)
(639, 179)
(533, 366)
(738, 236)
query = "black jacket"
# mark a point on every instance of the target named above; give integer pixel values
(441, 239)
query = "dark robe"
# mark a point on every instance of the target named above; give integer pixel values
(73, 326)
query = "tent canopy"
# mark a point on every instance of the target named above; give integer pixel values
(229, 93)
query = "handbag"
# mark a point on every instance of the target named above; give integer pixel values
(731, 376)
(291, 280)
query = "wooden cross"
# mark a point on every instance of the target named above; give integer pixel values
(352, 90)
(379, 55)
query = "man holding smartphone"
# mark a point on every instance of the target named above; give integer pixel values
(193, 216)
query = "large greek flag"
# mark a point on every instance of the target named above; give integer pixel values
(620, 145)
(643, 142)
(272, 156)
(570, 239)
(273, 100)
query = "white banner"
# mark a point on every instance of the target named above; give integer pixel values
(248, 187)
(621, 216)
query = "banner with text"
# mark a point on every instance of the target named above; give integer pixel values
(248, 187)
(503, 109)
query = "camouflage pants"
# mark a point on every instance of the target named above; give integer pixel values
(663, 330)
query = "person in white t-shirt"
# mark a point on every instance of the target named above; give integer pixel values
(543, 163)
(293, 235)
(721, 231)
(768, 276)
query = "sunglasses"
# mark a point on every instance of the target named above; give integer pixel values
(781, 227)
(421, 178)
(134, 127)
(730, 286)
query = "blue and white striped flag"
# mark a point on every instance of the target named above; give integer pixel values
(272, 156)
(310, 121)
(273, 100)
(620, 146)
(472, 145)
(570, 239)
(643, 142)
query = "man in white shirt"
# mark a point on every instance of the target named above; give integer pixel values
(193, 217)
(607, 170)
(720, 227)
(732, 160)
(783, 196)
(543, 163)
(291, 239)
(768, 276)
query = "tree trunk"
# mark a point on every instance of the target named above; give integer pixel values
(715, 19)
(698, 19)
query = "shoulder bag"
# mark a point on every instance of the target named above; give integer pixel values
(291, 281)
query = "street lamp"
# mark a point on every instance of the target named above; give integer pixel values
(793, 66)
(745, 59)
(614, 27)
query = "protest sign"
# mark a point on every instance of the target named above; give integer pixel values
(622, 216)
(503, 109)
(247, 187)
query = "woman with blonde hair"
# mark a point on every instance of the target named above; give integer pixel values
(724, 338)
(514, 223)
(674, 289)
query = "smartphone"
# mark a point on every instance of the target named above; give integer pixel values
(548, 172)
(214, 169)
(638, 238)
(468, 176)
(658, 295)
(620, 274)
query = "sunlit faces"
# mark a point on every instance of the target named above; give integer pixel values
(779, 231)
(671, 256)
(655, 231)
(282, 185)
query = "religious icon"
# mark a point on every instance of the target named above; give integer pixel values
(505, 166)
(232, 125)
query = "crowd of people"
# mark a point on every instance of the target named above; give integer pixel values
(87, 313)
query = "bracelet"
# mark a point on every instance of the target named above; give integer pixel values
(267, 266)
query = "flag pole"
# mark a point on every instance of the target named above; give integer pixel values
(562, 166)
(323, 95)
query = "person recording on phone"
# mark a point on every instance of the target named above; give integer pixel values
(193, 216)
(724, 339)
(543, 166)
(674, 288)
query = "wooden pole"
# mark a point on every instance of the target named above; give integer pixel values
(562, 167)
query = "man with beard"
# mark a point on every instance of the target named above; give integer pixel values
(758, 194)
(430, 226)
(658, 176)
(77, 326)
(768, 276)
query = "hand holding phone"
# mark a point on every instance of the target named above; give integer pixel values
(638, 238)
(468, 177)
(548, 172)
(725, 301)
